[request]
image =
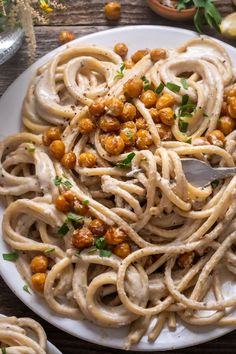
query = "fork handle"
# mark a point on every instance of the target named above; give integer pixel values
(224, 172)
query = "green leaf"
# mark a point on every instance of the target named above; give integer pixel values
(159, 88)
(199, 3)
(11, 257)
(67, 184)
(85, 202)
(119, 73)
(215, 183)
(184, 4)
(185, 99)
(105, 253)
(101, 243)
(126, 163)
(183, 126)
(92, 249)
(49, 250)
(74, 217)
(198, 20)
(63, 229)
(147, 84)
(184, 83)
(57, 181)
(173, 87)
(26, 289)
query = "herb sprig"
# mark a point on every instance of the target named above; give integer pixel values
(146, 83)
(120, 73)
(126, 163)
(62, 180)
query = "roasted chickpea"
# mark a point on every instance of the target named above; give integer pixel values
(128, 64)
(114, 145)
(103, 138)
(200, 141)
(112, 11)
(226, 125)
(114, 235)
(65, 37)
(216, 137)
(86, 125)
(128, 133)
(109, 124)
(224, 109)
(232, 107)
(97, 227)
(157, 54)
(82, 238)
(139, 55)
(97, 108)
(232, 92)
(164, 131)
(87, 159)
(167, 116)
(129, 112)
(122, 250)
(144, 139)
(57, 148)
(38, 281)
(141, 123)
(80, 208)
(155, 115)
(69, 160)
(69, 197)
(62, 204)
(185, 260)
(50, 135)
(115, 106)
(121, 49)
(149, 98)
(133, 87)
(166, 100)
(39, 264)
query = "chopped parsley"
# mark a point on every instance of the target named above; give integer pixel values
(101, 243)
(74, 217)
(159, 88)
(215, 183)
(189, 141)
(146, 83)
(185, 99)
(11, 257)
(105, 253)
(85, 202)
(31, 148)
(26, 289)
(183, 126)
(186, 108)
(173, 87)
(49, 250)
(62, 180)
(120, 73)
(126, 163)
(184, 83)
(92, 249)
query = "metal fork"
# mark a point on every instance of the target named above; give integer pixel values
(200, 174)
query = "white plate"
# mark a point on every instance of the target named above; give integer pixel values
(51, 349)
(10, 107)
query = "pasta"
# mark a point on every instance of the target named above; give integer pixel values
(22, 335)
(103, 222)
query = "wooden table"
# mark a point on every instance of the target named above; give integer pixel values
(84, 17)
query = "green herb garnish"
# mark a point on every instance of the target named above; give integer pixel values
(120, 73)
(173, 87)
(74, 217)
(92, 249)
(215, 183)
(57, 181)
(147, 84)
(105, 253)
(77, 254)
(159, 88)
(31, 148)
(101, 243)
(189, 141)
(11, 257)
(49, 250)
(26, 289)
(67, 184)
(185, 99)
(63, 229)
(184, 83)
(130, 136)
(183, 126)
(64, 181)
(85, 202)
(126, 163)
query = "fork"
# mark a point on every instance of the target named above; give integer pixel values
(200, 174)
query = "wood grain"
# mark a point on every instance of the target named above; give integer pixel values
(84, 17)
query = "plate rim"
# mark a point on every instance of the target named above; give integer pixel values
(21, 296)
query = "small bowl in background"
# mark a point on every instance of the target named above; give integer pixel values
(171, 13)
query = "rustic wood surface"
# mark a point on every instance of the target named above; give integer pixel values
(84, 17)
